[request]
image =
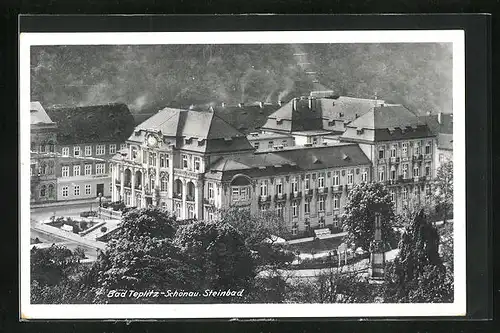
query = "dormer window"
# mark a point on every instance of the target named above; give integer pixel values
(188, 141)
(201, 142)
(341, 114)
(360, 131)
(331, 123)
(279, 121)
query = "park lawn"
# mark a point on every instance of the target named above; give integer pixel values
(318, 245)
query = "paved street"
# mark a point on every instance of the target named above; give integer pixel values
(44, 213)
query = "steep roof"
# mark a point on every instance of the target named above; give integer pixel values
(293, 159)
(296, 115)
(308, 112)
(38, 114)
(387, 116)
(444, 127)
(387, 123)
(246, 118)
(190, 124)
(92, 124)
(349, 107)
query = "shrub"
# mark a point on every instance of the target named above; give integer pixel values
(88, 213)
(104, 229)
(76, 228)
(84, 225)
(79, 252)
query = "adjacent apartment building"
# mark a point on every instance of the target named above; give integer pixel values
(87, 138)
(42, 155)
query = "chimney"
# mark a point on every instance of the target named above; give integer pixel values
(241, 104)
(261, 104)
(223, 104)
(428, 113)
(439, 117)
(294, 104)
(280, 102)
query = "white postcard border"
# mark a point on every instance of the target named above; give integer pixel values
(146, 311)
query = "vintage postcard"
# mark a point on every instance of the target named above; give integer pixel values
(266, 174)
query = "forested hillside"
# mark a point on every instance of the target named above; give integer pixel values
(148, 78)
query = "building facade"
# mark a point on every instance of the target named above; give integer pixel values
(43, 155)
(88, 137)
(193, 163)
(400, 146)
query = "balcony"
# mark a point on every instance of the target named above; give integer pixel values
(264, 199)
(402, 180)
(337, 188)
(295, 195)
(280, 197)
(321, 190)
(394, 160)
(127, 184)
(210, 201)
(418, 157)
(421, 179)
(177, 195)
(189, 197)
(428, 156)
(308, 193)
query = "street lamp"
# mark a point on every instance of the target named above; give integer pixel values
(100, 201)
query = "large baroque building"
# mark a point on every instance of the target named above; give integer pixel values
(87, 138)
(43, 155)
(297, 159)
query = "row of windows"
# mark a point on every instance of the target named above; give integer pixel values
(271, 144)
(191, 163)
(320, 181)
(404, 149)
(99, 150)
(47, 191)
(76, 190)
(321, 206)
(405, 173)
(100, 169)
(49, 148)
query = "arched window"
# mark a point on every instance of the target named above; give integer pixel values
(190, 212)
(51, 191)
(190, 191)
(138, 179)
(178, 188)
(240, 189)
(43, 188)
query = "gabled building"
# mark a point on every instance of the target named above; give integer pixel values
(400, 146)
(87, 138)
(194, 162)
(318, 118)
(43, 156)
(167, 156)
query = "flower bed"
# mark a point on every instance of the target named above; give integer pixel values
(78, 226)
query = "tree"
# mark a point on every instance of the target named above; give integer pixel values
(142, 255)
(254, 228)
(151, 222)
(218, 254)
(58, 277)
(51, 265)
(363, 201)
(443, 189)
(417, 273)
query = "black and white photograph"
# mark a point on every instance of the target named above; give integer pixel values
(242, 174)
